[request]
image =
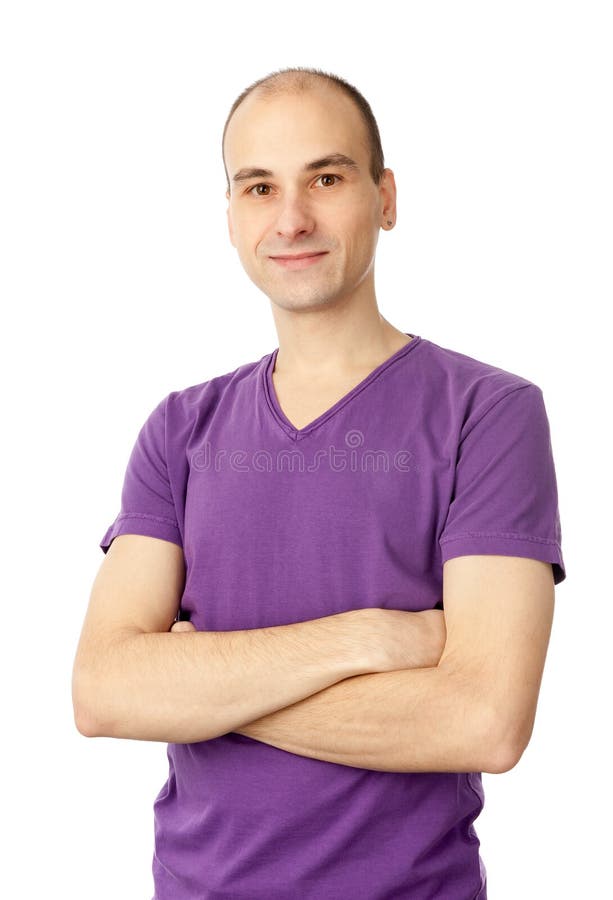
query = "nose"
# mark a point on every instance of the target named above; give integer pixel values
(294, 217)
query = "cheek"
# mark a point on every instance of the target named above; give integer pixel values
(249, 240)
(362, 238)
(246, 226)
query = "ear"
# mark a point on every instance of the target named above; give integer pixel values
(387, 193)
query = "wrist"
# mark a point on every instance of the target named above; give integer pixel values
(429, 638)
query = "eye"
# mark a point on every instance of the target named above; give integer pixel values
(263, 184)
(328, 175)
(251, 190)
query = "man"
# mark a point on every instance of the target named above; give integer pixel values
(310, 513)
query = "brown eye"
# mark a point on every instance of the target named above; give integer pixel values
(329, 176)
(253, 190)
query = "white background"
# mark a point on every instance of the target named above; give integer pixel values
(119, 284)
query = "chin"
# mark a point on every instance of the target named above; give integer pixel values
(297, 302)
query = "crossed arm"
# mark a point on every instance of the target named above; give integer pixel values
(474, 711)
(410, 720)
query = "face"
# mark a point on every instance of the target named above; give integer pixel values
(333, 210)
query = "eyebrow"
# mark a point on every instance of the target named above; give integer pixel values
(333, 159)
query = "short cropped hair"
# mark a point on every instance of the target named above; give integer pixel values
(299, 79)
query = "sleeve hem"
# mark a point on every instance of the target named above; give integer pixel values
(141, 523)
(505, 544)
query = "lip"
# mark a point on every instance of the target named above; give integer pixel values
(300, 261)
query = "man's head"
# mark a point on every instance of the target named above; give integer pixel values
(284, 124)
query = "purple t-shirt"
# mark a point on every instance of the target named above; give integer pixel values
(433, 455)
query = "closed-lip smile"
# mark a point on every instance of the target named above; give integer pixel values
(299, 261)
(300, 255)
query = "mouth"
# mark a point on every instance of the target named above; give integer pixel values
(299, 261)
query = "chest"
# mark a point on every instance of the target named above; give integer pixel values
(279, 530)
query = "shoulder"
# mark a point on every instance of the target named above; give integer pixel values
(183, 406)
(466, 388)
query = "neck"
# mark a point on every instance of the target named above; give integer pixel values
(325, 347)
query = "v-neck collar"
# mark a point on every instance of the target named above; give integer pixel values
(298, 433)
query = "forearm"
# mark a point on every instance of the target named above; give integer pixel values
(197, 685)
(409, 720)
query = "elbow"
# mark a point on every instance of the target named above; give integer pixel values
(502, 760)
(505, 748)
(85, 724)
(493, 743)
(84, 719)
(487, 747)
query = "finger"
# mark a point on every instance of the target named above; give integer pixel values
(183, 625)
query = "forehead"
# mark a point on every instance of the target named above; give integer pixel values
(288, 131)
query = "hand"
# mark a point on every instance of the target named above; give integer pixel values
(183, 625)
(400, 639)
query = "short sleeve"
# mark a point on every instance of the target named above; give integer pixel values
(147, 505)
(505, 498)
